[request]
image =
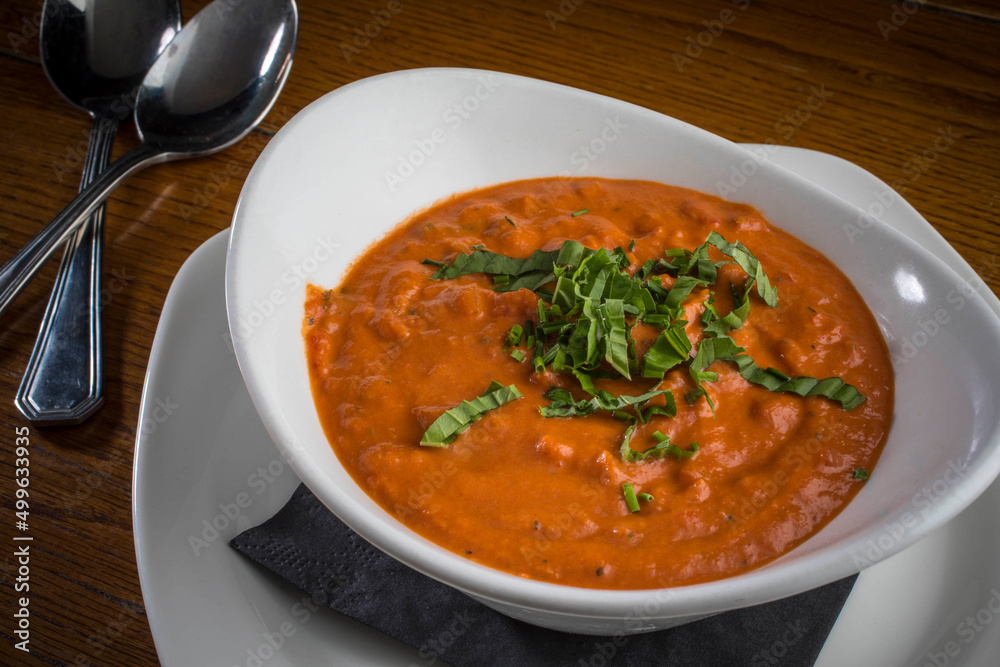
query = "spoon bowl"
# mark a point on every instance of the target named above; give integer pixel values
(214, 82)
(97, 54)
(186, 108)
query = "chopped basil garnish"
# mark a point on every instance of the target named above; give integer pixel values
(659, 450)
(719, 325)
(589, 304)
(832, 388)
(446, 428)
(672, 347)
(563, 405)
(749, 264)
(514, 337)
(860, 473)
(630, 499)
(725, 348)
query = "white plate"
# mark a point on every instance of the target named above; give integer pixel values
(202, 452)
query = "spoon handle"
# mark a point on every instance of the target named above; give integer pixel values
(64, 381)
(16, 273)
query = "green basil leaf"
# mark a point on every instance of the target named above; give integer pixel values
(748, 263)
(670, 348)
(562, 403)
(832, 388)
(734, 319)
(659, 450)
(681, 290)
(513, 337)
(452, 422)
(615, 335)
(630, 499)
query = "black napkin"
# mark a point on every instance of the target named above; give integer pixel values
(311, 548)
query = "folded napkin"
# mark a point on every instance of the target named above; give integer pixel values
(311, 548)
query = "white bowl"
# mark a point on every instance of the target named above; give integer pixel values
(359, 160)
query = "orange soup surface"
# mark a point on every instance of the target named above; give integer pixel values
(390, 349)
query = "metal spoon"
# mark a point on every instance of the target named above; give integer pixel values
(95, 54)
(215, 81)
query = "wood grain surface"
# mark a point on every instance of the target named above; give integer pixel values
(894, 78)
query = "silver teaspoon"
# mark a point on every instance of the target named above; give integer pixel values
(215, 81)
(96, 55)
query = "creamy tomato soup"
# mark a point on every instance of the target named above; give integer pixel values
(578, 486)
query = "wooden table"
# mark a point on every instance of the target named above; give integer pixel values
(878, 83)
